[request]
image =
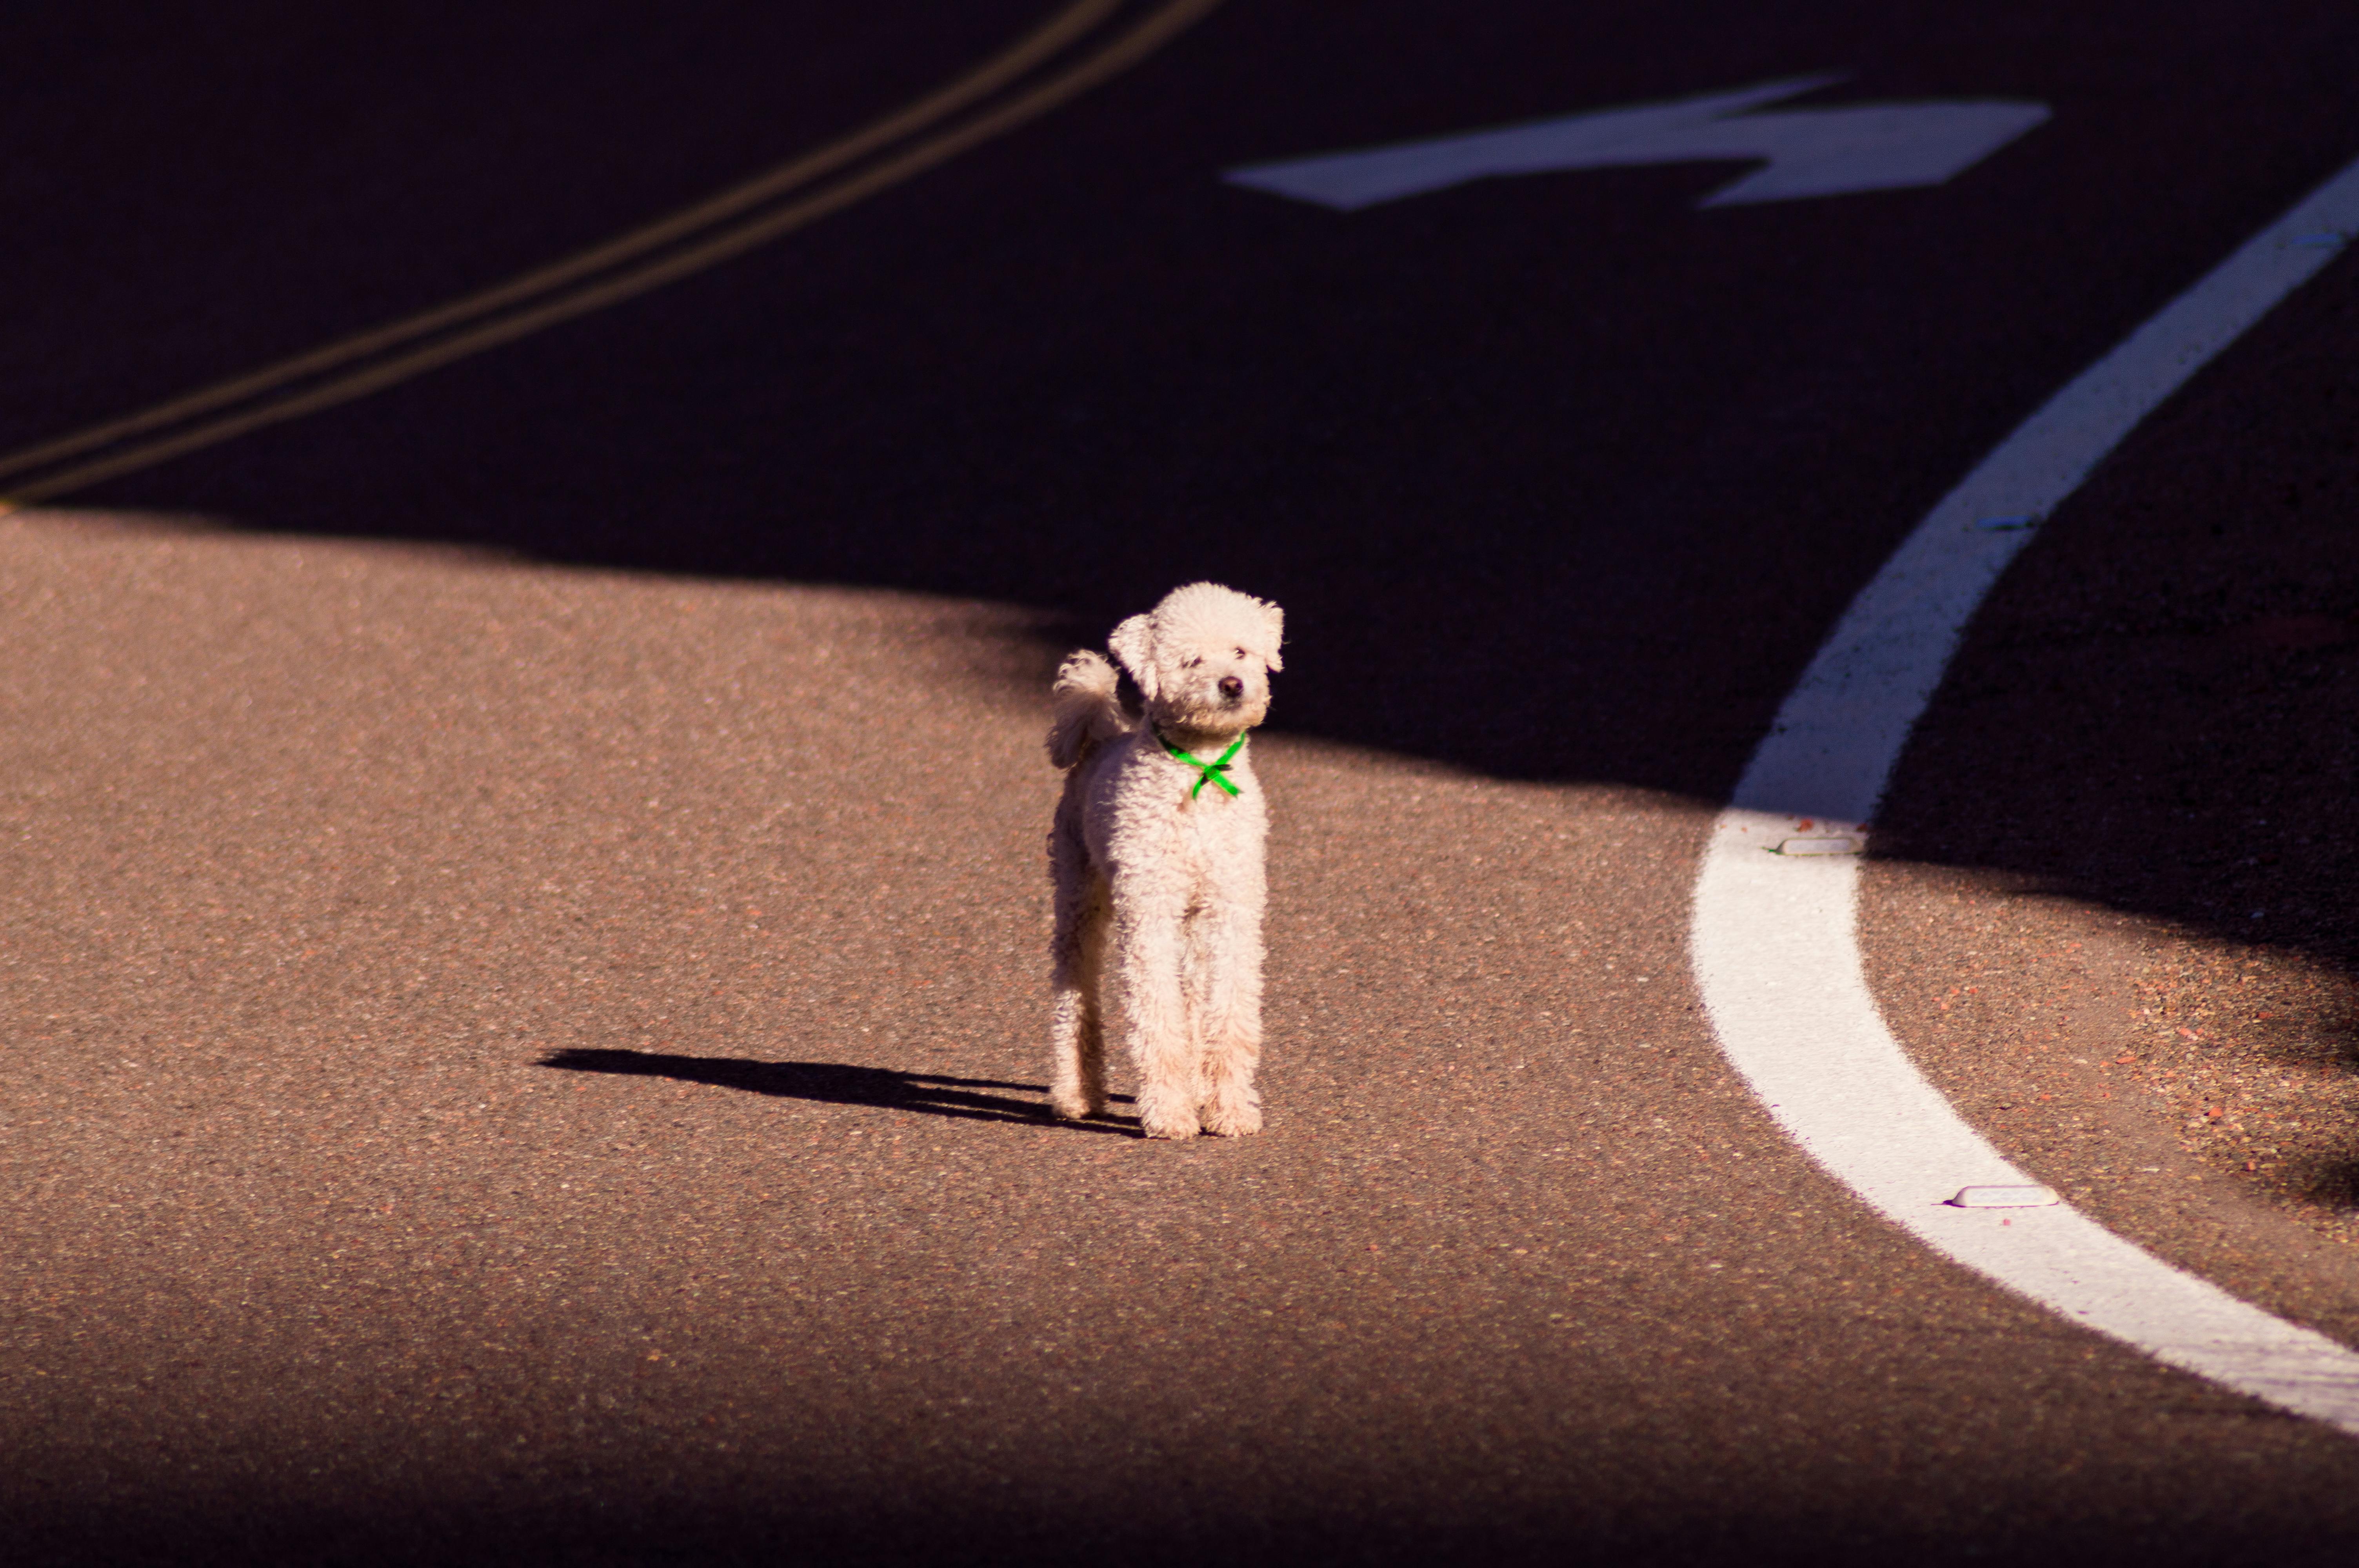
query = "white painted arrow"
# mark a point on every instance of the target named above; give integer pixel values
(1811, 152)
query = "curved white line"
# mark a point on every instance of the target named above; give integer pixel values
(1775, 937)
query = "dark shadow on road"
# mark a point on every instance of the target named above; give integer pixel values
(1559, 479)
(2157, 708)
(840, 1083)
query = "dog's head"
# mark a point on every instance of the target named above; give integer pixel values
(1202, 657)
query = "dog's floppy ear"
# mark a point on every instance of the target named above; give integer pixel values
(1274, 618)
(1132, 647)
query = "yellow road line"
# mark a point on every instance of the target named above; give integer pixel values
(1151, 34)
(1029, 51)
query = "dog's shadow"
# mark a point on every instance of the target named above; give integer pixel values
(839, 1082)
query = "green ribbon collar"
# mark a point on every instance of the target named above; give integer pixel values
(1211, 772)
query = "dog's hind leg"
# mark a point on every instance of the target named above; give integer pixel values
(1077, 954)
(1078, 1032)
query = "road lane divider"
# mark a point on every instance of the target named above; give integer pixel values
(1078, 48)
(1774, 939)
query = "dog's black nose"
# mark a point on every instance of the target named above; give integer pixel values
(1232, 688)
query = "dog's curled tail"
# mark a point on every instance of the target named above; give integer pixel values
(1088, 708)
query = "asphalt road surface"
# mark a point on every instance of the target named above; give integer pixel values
(522, 915)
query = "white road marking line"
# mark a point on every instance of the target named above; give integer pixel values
(1774, 938)
(1810, 152)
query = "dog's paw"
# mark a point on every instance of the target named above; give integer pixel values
(1159, 1123)
(1072, 1105)
(1232, 1120)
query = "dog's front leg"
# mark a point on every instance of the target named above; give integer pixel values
(1149, 953)
(1230, 931)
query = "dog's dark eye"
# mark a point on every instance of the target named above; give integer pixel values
(1241, 653)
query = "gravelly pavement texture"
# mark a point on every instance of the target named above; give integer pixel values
(524, 1062)
(521, 898)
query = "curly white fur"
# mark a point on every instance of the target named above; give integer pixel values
(1160, 886)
